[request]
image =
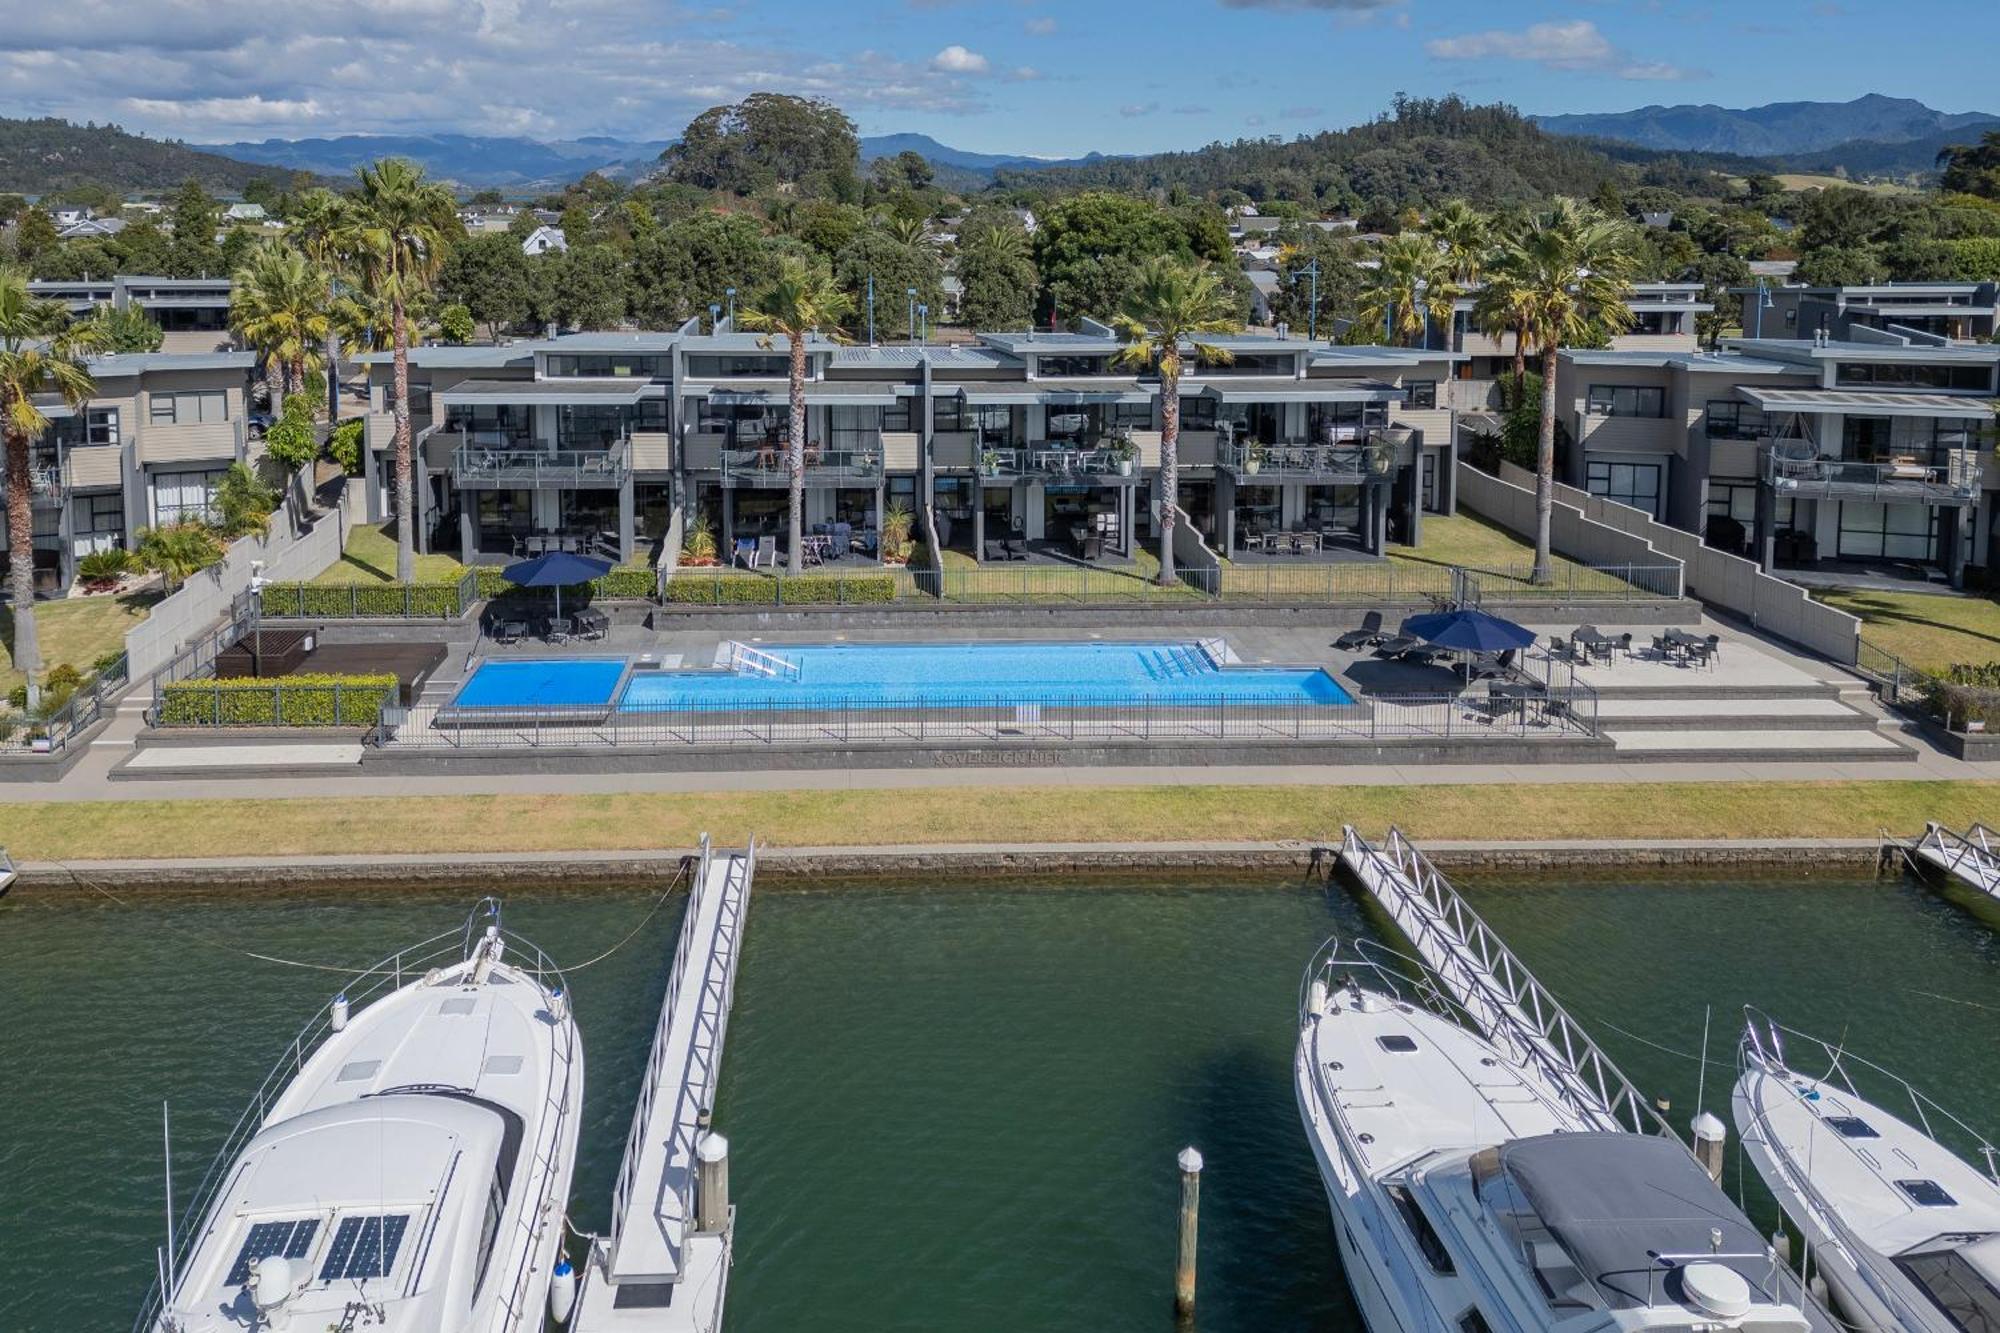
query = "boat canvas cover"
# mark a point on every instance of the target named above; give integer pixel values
(1614, 1199)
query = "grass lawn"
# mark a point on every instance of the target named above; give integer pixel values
(163, 828)
(371, 558)
(1924, 629)
(76, 630)
(1491, 552)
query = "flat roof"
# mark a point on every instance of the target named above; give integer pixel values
(1057, 393)
(1706, 362)
(848, 393)
(139, 363)
(1806, 348)
(444, 357)
(1858, 402)
(612, 342)
(1301, 391)
(490, 393)
(748, 342)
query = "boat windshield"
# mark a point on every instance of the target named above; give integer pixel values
(1959, 1281)
(1562, 1283)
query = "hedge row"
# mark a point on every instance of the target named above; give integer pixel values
(620, 585)
(1965, 694)
(332, 601)
(291, 701)
(759, 590)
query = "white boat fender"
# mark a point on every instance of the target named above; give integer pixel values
(562, 1292)
(1316, 997)
(1781, 1245)
(558, 1003)
(1710, 1134)
(338, 1019)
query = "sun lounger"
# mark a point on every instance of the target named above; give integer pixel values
(1356, 639)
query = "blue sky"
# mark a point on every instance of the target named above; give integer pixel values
(1016, 76)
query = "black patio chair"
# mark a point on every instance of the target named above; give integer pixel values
(1357, 639)
(590, 625)
(1397, 646)
(1011, 546)
(508, 630)
(996, 550)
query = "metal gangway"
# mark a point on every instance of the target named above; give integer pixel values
(664, 1266)
(1494, 988)
(1972, 857)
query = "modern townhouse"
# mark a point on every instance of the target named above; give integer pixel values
(1036, 438)
(1960, 311)
(1874, 452)
(192, 312)
(148, 448)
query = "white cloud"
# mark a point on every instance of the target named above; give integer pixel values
(1575, 46)
(1132, 110)
(955, 59)
(1040, 27)
(204, 111)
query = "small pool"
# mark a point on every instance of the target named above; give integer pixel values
(881, 675)
(555, 682)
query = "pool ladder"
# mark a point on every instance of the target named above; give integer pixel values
(757, 662)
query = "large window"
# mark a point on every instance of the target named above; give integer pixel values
(716, 367)
(491, 423)
(1738, 500)
(93, 426)
(1956, 1287)
(1132, 416)
(1871, 531)
(1422, 393)
(182, 496)
(1627, 400)
(190, 407)
(1073, 365)
(897, 416)
(1727, 419)
(1635, 484)
(1909, 375)
(620, 365)
(1197, 412)
(948, 414)
(98, 515)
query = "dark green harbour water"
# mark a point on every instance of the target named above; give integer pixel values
(950, 1107)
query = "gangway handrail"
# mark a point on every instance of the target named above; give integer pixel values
(1955, 851)
(1495, 988)
(678, 993)
(764, 664)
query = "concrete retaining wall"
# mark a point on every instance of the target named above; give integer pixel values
(1728, 581)
(1571, 532)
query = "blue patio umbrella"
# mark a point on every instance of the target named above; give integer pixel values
(558, 570)
(1469, 631)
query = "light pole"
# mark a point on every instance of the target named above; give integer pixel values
(911, 293)
(923, 322)
(1312, 319)
(871, 309)
(730, 292)
(1764, 302)
(715, 317)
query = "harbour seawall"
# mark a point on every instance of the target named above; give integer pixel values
(777, 864)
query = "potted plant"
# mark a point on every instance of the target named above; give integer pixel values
(698, 548)
(1125, 452)
(989, 462)
(1254, 460)
(897, 523)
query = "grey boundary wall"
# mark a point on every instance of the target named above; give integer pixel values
(1728, 581)
(931, 864)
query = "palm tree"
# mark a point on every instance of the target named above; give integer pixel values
(1466, 236)
(1501, 308)
(907, 230)
(1574, 266)
(804, 300)
(38, 355)
(1410, 289)
(398, 228)
(316, 222)
(278, 305)
(1169, 305)
(179, 549)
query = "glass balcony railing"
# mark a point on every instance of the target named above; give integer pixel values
(765, 466)
(1951, 476)
(532, 467)
(1372, 458)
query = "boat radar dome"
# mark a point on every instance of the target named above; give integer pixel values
(270, 1283)
(1716, 1290)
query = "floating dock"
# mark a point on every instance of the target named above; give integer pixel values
(1495, 990)
(1971, 858)
(664, 1267)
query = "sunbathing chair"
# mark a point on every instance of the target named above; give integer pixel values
(1356, 639)
(1013, 552)
(996, 550)
(1398, 646)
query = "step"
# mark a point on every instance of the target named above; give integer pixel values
(1751, 714)
(160, 759)
(1754, 745)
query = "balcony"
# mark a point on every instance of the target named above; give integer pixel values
(1352, 464)
(47, 487)
(1060, 465)
(1947, 477)
(763, 467)
(515, 467)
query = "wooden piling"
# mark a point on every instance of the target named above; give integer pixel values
(1190, 1165)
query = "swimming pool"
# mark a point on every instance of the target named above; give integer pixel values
(891, 675)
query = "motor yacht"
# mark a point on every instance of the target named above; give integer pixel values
(1905, 1231)
(1472, 1193)
(406, 1167)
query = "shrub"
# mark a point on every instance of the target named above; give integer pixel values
(344, 446)
(61, 684)
(620, 585)
(101, 570)
(1965, 694)
(340, 601)
(244, 502)
(292, 440)
(760, 590)
(289, 701)
(179, 549)
(700, 543)
(455, 323)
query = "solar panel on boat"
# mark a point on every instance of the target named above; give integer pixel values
(364, 1247)
(290, 1239)
(1852, 1127)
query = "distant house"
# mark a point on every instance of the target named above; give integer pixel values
(69, 216)
(245, 213)
(1263, 287)
(1780, 269)
(544, 239)
(1027, 219)
(90, 227)
(951, 294)
(1660, 220)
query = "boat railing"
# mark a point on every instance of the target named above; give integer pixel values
(1509, 1006)
(1773, 1288)
(649, 1082)
(523, 1304)
(391, 974)
(1399, 974)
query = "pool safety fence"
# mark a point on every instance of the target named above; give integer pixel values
(935, 720)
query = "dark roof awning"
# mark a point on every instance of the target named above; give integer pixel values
(1058, 393)
(1859, 403)
(764, 390)
(501, 393)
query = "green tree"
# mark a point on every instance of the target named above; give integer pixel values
(455, 324)
(766, 140)
(825, 225)
(690, 263)
(39, 357)
(194, 215)
(998, 275)
(1575, 267)
(1411, 288)
(400, 232)
(1299, 246)
(803, 301)
(279, 306)
(1171, 305)
(1501, 309)
(1088, 249)
(1465, 235)
(243, 504)
(177, 550)
(584, 287)
(291, 442)
(1972, 168)
(897, 267)
(34, 235)
(124, 330)
(489, 276)
(318, 222)
(905, 171)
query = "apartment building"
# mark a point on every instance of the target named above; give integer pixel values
(1959, 311)
(192, 312)
(1873, 452)
(592, 439)
(148, 448)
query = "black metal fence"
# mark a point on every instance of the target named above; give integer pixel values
(55, 732)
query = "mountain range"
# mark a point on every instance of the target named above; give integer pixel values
(1779, 129)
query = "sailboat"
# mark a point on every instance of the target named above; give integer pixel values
(406, 1167)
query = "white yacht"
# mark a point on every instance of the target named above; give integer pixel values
(1471, 1194)
(407, 1168)
(1905, 1231)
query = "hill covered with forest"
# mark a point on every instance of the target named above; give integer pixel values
(47, 155)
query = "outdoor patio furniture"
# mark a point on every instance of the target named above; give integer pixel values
(1514, 696)
(1561, 649)
(767, 552)
(1492, 666)
(1369, 633)
(509, 630)
(590, 624)
(996, 550)
(745, 553)
(1397, 646)
(1011, 546)
(551, 630)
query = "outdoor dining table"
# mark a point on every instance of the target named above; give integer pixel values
(1518, 694)
(1597, 645)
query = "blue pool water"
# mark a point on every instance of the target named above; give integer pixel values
(567, 682)
(885, 674)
